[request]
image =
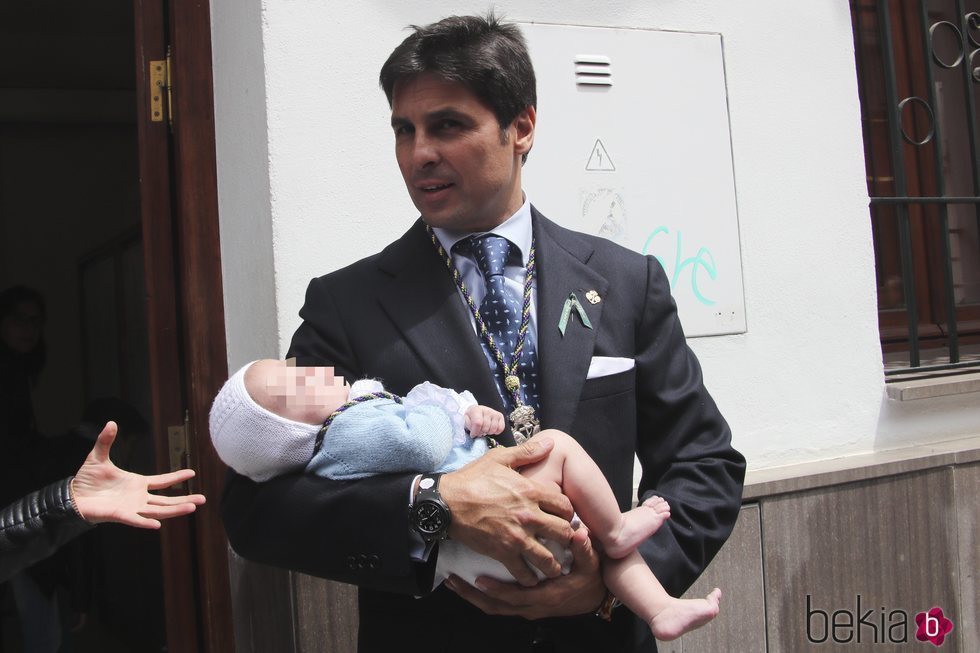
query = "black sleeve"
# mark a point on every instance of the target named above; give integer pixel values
(351, 531)
(33, 527)
(684, 446)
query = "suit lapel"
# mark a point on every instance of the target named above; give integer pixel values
(563, 360)
(424, 305)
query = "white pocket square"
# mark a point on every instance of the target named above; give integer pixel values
(606, 365)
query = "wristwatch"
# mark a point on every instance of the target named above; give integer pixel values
(429, 514)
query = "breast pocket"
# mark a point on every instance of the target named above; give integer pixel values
(605, 426)
(611, 384)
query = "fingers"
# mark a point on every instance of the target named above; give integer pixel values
(151, 514)
(166, 512)
(138, 522)
(476, 426)
(104, 442)
(520, 571)
(497, 424)
(549, 500)
(581, 546)
(469, 593)
(161, 481)
(484, 602)
(515, 597)
(553, 523)
(523, 550)
(558, 504)
(555, 598)
(538, 555)
(496, 512)
(524, 454)
(481, 421)
(164, 500)
(534, 554)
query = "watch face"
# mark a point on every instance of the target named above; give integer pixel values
(430, 518)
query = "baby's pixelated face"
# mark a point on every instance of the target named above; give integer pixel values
(308, 387)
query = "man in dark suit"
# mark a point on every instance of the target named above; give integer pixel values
(605, 360)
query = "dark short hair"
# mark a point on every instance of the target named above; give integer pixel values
(10, 299)
(487, 56)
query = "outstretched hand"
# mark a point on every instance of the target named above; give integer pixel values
(105, 493)
(501, 514)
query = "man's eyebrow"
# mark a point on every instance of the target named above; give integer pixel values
(432, 116)
(442, 114)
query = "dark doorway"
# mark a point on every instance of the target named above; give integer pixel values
(92, 196)
(70, 225)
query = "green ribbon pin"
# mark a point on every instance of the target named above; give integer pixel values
(570, 303)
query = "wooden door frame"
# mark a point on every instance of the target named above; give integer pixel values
(185, 307)
(201, 292)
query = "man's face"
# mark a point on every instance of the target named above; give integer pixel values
(462, 171)
(21, 330)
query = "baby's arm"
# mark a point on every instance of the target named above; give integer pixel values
(481, 421)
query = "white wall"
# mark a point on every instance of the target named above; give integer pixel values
(241, 138)
(804, 382)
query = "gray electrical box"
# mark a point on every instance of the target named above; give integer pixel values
(633, 143)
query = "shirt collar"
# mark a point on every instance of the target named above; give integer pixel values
(516, 229)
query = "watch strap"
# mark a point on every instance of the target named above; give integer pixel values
(605, 609)
(428, 491)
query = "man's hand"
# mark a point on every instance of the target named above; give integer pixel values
(499, 513)
(579, 592)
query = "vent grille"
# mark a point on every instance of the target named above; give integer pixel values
(593, 70)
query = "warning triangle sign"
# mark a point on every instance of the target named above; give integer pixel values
(600, 161)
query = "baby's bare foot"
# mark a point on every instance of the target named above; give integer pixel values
(637, 525)
(684, 615)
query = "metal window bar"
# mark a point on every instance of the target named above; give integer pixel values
(971, 75)
(937, 131)
(901, 200)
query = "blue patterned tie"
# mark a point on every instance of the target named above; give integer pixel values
(501, 311)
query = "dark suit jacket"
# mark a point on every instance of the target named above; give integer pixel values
(397, 316)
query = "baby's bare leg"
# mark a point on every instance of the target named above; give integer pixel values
(581, 480)
(632, 582)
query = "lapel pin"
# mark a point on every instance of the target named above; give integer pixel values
(593, 297)
(573, 303)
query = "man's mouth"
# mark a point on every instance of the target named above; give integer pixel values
(433, 188)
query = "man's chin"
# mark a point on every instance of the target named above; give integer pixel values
(459, 223)
(443, 221)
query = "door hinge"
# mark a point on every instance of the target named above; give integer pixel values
(178, 441)
(161, 90)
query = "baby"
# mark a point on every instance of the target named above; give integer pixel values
(266, 421)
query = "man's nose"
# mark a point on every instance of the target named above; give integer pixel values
(426, 151)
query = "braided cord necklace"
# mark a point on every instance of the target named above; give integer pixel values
(350, 404)
(522, 418)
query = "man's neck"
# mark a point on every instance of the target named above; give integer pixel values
(516, 229)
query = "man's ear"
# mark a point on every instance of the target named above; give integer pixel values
(523, 126)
